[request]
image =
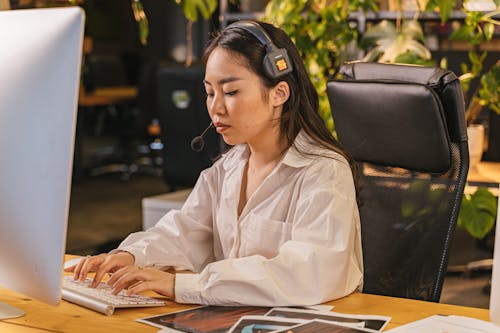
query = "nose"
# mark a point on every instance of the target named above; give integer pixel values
(216, 106)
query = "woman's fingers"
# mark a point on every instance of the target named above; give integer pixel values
(88, 265)
(126, 276)
(101, 264)
(163, 285)
(83, 268)
(136, 280)
(142, 286)
(112, 263)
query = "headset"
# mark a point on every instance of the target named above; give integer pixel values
(276, 62)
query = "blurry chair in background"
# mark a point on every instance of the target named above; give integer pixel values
(111, 121)
(405, 127)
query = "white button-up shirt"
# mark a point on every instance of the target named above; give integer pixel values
(296, 242)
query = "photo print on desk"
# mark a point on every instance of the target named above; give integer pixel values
(370, 322)
(263, 324)
(321, 326)
(204, 319)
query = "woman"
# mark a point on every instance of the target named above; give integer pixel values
(274, 221)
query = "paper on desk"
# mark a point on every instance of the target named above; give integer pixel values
(320, 307)
(447, 324)
(495, 278)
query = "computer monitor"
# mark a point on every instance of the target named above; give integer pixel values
(40, 60)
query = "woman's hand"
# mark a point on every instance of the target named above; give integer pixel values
(138, 279)
(101, 264)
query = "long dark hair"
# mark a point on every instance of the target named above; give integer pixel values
(301, 110)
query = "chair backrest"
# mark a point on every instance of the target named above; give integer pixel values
(405, 126)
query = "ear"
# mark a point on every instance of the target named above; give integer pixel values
(280, 93)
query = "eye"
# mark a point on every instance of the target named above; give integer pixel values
(231, 93)
(209, 94)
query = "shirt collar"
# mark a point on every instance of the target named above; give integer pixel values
(294, 157)
(235, 155)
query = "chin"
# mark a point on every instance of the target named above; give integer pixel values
(232, 141)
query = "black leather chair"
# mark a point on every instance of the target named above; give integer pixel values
(405, 127)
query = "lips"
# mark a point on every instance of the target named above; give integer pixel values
(220, 127)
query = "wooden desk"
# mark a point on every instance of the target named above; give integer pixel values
(67, 317)
(107, 96)
(484, 174)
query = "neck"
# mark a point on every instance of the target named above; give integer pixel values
(268, 150)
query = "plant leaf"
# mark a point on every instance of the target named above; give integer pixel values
(382, 30)
(205, 7)
(142, 20)
(489, 30)
(478, 212)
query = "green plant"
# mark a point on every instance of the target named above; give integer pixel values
(386, 43)
(323, 35)
(478, 28)
(142, 21)
(191, 9)
(478, 212)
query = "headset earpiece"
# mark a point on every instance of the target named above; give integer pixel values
(276, 62)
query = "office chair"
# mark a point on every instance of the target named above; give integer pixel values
(405, 127)
(121, 117)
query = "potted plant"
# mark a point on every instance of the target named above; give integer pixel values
(402, 42)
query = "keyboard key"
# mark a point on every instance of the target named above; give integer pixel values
(100, 298)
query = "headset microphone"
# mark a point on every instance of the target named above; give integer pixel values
(198, 143)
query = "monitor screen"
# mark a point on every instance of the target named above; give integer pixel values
(40, 60)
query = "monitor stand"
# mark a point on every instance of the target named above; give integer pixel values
(7, 311)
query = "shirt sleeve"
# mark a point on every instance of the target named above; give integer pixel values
(321, 262)
(181, 238)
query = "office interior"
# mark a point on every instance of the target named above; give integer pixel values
(125, 153)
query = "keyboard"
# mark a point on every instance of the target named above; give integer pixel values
(100, 298)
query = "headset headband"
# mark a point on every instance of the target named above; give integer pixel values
(276, 61)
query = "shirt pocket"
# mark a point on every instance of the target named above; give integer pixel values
(263, 236)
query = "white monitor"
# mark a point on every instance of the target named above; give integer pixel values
(40, 60)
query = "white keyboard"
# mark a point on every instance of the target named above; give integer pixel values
(100, 298)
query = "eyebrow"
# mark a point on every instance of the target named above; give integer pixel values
(224, 80)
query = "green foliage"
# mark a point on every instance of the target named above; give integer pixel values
(476, 62)
(478, 28)
(191, 8)
(489, 93)
(386, 44)
(322, 33)
(478, 212)
(444, 7)
(142, 21)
